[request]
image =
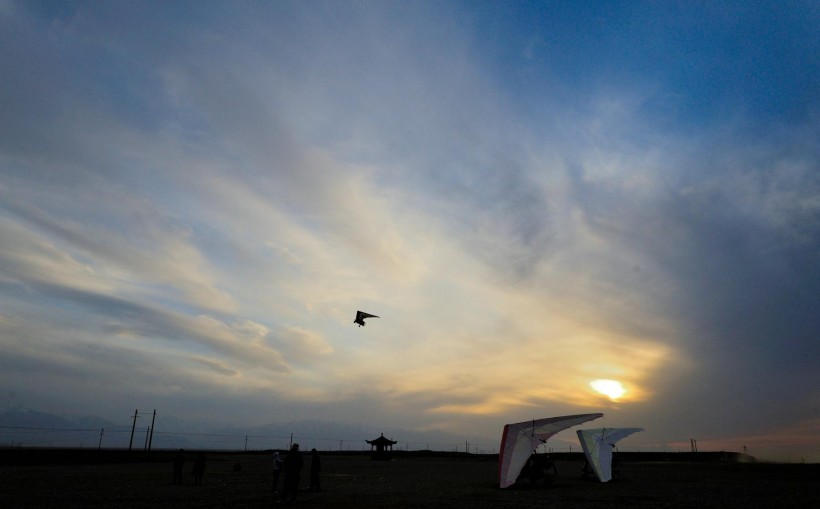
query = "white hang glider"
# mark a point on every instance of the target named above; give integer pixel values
(519, 440)
(598, 444)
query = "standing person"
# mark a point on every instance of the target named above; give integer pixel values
(277, 469)
(315, 468)
(199, 468)
(292, 469)
(179, 461)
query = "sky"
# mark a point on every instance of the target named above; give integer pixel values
(197, 197)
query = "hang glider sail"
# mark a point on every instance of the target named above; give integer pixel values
(598, 444)
(360, 316)
(519, 440)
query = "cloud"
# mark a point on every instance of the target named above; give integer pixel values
(218, 366)
(213, 205)
(155, 253)
(301, 345)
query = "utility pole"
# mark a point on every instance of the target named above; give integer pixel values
(147, 432)
(151, 439)
(131, 442)
(102, 430)
(246, 443)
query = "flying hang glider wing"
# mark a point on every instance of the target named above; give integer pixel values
(361, 315)
(598, 444)
(520, 439)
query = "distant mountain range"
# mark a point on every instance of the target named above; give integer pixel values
(23, 427)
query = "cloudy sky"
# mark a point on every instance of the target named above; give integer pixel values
(196, 197)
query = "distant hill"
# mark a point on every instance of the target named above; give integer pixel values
(22, 427)
(27, 418)
(326, 435)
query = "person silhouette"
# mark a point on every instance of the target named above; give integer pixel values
(179, 462)
(292, 469)
(199, 468)
(277, 470)
(315, 468)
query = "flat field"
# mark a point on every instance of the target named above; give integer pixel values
(354, 481)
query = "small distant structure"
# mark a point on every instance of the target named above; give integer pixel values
(381, 448)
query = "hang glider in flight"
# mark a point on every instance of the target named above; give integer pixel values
(360, 316)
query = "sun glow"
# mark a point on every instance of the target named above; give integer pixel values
(610, 388)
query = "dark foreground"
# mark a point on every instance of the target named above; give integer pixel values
(353, 481)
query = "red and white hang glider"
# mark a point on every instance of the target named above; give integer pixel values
(519, 440)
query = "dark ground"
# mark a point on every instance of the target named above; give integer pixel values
(354, 481)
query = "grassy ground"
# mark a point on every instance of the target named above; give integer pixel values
(407, 482)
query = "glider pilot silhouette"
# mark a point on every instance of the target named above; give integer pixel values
(360, 316)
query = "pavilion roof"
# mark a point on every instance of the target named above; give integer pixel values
(381, 441)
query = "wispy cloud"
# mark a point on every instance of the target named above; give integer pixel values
(199, 204)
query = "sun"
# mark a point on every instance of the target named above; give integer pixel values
(609, 388)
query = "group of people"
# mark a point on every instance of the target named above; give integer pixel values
(291, 467)
(197, 472)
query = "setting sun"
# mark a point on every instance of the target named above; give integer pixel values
(610, 388)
